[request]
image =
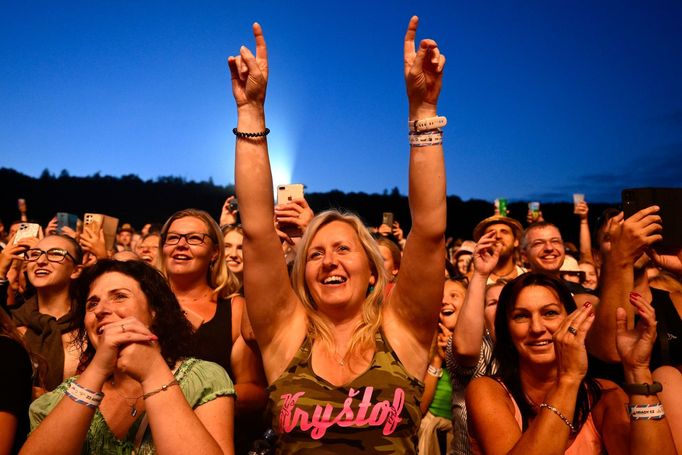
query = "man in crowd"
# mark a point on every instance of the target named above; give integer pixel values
(507, 237)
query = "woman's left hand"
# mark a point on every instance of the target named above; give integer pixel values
(423, 73)
(634, 346)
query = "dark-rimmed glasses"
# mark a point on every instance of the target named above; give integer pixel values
(52, 255)
(192, 238)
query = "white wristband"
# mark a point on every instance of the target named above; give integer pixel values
(435, 372)
(427, 124)
(646, 411)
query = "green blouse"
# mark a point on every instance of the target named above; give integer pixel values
(200, 382)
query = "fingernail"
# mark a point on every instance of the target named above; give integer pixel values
(587, 304)
(635, 293)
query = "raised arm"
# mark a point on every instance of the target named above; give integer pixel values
(415, 301)
(270, 300)
(628, 240)
(582, 209)
(468, 335)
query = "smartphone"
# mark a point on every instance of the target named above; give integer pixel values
(66, 219)
(387, 219)
(670, 202)
(108, 223)
(26, 230)
(233, 206)
(287, 193)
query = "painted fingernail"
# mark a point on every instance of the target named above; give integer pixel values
(587, 304)
(636, 294)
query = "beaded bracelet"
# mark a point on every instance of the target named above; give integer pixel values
(646, 411)
(561, 416)
(163, 388)
(242, 134)
(82, 395)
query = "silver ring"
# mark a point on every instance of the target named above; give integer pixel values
(123, 328)
(572, 330)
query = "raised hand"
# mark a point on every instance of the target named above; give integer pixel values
(296, 212)
(486, 254)
(93, 242)
(569, 343)
(581, 209)
(250, 73)
(423, 73)
(635, 345)
(631, 236)
(227, 215)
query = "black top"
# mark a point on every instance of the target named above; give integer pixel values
(668, 347)
(213, 339)
(15, 387)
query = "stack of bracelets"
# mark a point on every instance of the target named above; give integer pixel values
(81, 395)
(427, 132)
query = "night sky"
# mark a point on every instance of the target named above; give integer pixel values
(543, 99)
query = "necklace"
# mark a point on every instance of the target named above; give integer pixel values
(133, 406)
(340, 360)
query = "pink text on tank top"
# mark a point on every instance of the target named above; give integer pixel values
(382, 413)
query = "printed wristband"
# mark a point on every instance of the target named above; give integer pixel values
(426, 139)
(646, 411)
(82, 395)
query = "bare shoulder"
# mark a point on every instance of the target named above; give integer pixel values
(611, 407)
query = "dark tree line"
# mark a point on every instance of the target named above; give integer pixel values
(138, 201)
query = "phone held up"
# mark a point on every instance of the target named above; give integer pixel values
(670, 202)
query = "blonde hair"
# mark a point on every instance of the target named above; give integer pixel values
(223, 282)
(318, 325)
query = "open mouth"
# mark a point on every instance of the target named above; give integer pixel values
(334, 279)
(41, 272)
(181, 257)
(540, 343)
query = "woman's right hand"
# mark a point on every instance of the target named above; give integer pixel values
(569, 343)
(113, 338)
(250, 74)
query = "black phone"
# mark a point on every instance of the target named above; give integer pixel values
(670, 202)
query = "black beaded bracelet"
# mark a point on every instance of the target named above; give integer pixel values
(250, 135)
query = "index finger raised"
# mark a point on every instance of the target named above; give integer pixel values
(410, 35)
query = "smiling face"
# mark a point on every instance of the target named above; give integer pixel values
(233, 251)
(536, 315)
(337, 269)
(544, 249)
(453, 299)
(114, 296)
(183, 259)
(148, 248)
(44, 274)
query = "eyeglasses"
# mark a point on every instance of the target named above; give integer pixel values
(52, 255)
(192, 238)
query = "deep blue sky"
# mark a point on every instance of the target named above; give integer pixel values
(543, 98)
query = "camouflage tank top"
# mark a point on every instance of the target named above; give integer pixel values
(377, 412)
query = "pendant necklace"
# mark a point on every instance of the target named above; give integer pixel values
(133, 408)
(340, 360)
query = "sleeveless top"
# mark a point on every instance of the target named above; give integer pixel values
(377, 412)
(586, 442)
(213, 339)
